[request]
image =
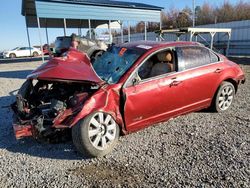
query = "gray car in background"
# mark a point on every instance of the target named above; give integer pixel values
(93, 48)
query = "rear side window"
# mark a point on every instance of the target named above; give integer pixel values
(192, 56)
(214, 58)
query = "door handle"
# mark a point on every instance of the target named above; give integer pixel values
(175, 83)
(218, 70)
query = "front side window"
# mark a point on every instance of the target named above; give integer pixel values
(162, 62)
(115, 62)
(192, 56)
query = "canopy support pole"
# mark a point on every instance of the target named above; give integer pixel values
(90, 32)
(212, 40)
(145, 30)
(110, 32)
(28, 34)
(228, 43)
(46, 30)
(160, 38)
(191, 36)
(129, 31)
(122, 37)
(80, 29)
(194, 13)
(40, 37)
(65, 26)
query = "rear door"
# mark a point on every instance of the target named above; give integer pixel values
(201, 69)
(23, 51)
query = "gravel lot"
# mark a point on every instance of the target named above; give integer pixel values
(200, 149)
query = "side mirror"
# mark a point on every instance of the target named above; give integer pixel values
(135, 81)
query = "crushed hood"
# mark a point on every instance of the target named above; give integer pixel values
(74, 66)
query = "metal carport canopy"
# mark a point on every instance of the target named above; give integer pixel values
(78, 12)
(197, 31)
(85, 14)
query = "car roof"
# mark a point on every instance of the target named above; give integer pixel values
(149, 45)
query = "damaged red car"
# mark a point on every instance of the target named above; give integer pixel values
(131, 86)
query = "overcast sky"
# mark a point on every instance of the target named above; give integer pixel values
(12, 23)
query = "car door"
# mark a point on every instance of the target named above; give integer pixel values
(151, 100)
(26, 51)
(18, 52)
(200, 68)
(21, 52)
(29, 51)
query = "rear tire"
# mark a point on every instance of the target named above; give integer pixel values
(96, 135)
(224, 97)
(12, 55)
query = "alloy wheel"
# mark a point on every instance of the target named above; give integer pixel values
(102, 130)
(226, 97)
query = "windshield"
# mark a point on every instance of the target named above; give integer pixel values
(115, 62)
(14, 48)
(62, 43)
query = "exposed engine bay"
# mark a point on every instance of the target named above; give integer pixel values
(47, 107)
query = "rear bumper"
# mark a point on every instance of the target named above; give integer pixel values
(241, 79)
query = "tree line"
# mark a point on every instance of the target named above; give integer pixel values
(204, 14)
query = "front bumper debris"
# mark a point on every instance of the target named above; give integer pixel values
(22, 130)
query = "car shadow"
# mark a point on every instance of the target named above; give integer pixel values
(21, 74)
(29, 146)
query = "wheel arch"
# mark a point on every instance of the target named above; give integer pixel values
(13, 54)
(106, 112)
(101, 102)
(232, 81)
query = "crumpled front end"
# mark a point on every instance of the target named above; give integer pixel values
(53, 95)
(44, 109)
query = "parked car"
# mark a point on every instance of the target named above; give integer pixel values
(131, 86)
(1, 54)
(46, 49)
(22, 52)
(93, 48)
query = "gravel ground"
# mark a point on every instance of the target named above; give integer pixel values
(200, 149)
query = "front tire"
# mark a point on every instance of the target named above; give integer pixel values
(12, 55)
(224, 97)
(96, 135)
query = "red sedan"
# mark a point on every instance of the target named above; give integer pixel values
(130, 87)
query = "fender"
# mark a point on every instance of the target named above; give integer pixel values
(236, 75)
(108, 98)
